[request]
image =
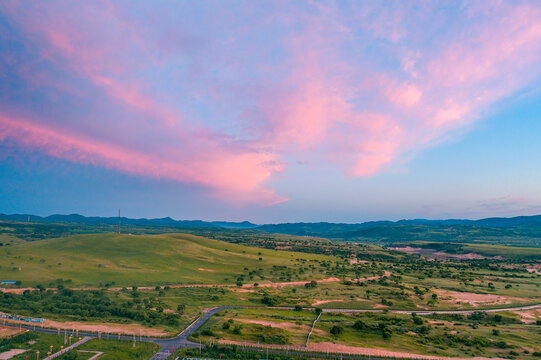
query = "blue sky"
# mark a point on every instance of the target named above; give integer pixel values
(284, 111)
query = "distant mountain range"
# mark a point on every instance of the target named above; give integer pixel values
(516, 228)
(497, 222)
(520, 230)
(167, 221)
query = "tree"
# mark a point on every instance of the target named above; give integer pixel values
(337, 330)
(359, 325)
(318, 310)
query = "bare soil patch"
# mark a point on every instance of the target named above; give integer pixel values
(7, 331)
(529, 316)
(292, 283)
(11, 353)
(280, 325)
(354, 350)
(321, 302)
(123, 329)
(473, 299)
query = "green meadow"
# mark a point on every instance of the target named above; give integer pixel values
(128, 260)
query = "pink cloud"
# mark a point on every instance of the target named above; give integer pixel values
(445, 90)
(234, 176)
(325, 96)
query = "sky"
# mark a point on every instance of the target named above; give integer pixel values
(271, 111)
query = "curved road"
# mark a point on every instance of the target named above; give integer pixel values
(181, 340)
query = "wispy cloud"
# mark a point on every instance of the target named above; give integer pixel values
(223, 101)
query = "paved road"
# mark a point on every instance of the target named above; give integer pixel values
(181, 340)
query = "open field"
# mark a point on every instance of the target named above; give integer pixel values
(156, 285)
(127, 260)
(391, 335)
(6, 331)
(112, 349)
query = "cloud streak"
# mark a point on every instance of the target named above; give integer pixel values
(226, 103)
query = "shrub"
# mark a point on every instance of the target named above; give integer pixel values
(337, 330)
(359, 325)
(207, 332)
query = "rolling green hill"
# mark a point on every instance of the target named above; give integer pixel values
(126, 260)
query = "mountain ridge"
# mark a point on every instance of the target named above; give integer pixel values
(499, 222)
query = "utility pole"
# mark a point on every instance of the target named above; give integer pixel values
(118, 221)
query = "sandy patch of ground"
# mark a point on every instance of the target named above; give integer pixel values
(469, 256)
(354, 260)
(15, 291)
(7, 331)
(345, 349)
(243, 290)
(279, 284)
(203, 269)
(11, 353)
(123, 329)
(529, 316)
(282, 247)
(432, 253)
(280, 325)
(409, 249)
(472, 298)
(321, 302)
(534, 270)
(385, 273)
(292, 283)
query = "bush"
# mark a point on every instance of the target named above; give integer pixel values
(298, 307)
(207, 332)
(359, 325)
(337, 330)
(270, 300)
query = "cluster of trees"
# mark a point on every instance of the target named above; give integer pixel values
(84, 305)
(11, 342)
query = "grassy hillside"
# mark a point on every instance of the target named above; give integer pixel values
(126, 260)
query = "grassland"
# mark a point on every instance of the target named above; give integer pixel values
(112, 349)
(132, 282)
(480, 334)
(128, 260)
